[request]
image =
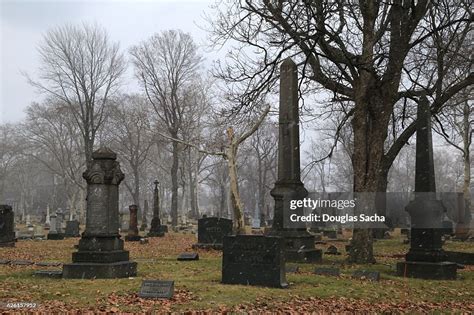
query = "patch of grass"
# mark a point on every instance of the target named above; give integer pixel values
(157, 260)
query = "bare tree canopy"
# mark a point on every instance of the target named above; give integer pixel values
(81, 67)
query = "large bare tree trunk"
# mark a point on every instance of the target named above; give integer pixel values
(467, 163)
(174, 184)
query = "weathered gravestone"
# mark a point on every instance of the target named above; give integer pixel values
(211, 232)
(72, 229)
(54, 232)
(132, 235)
(254, 260)
(425, 258)
(7, 226)
(156, 229)
(101, 252)
(299, 243)
(156, 289)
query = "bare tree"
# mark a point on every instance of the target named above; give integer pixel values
(129, 129)
(54, 139)
(81, 68)
(167, 67)
(356, 51)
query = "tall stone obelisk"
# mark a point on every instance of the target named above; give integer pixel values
(101, 252)
(299, 244)
(156, 229)
(426, 258)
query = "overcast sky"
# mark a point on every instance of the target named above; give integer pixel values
(24, 22)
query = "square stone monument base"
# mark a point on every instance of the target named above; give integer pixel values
(55, 236)
(83, 270)
(427, 270)
(254, 260)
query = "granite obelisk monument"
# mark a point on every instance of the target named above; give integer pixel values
(299, 244)
(425, 258)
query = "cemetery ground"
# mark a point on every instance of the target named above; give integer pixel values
(198, 287)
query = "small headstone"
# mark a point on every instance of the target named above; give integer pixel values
(48, 264)
(156, 289)
(133, 235)
(211, 232)
(72, 229)
(292, 269)
(56, 274)
(327, 271)
(332, 250)
(21, 262)
(188, 256)
(369, 275)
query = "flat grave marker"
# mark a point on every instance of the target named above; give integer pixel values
(21, 262)
(327, 271)
(48, 264)
(156, 289)
(56, 274)
(188, 256)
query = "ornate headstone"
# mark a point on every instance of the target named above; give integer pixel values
(156, 228)
(144, 225)
(298, 242)
(7, 226)
(101, 252)
(426, 258)
(211, 232)
(54, 232)
(133, 235)
(72, 229)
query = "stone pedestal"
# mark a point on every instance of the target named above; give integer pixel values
(7, 226)
(101, 252)
(133, 235)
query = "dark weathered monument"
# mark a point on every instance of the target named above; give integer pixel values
(100, 252)
(156, 229)
(144, 225)
(7, 226)
(55, 231)
(254, 260)
(298, 242)
(211, 232)
(426, 258)
(72, 229)
(133, 235)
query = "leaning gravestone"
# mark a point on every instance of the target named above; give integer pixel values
(426, 258)
(101, 252)
(211, 232)
(156, 289)
(254, 260)
(72, 229)
(299, 243)
(7, 226)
